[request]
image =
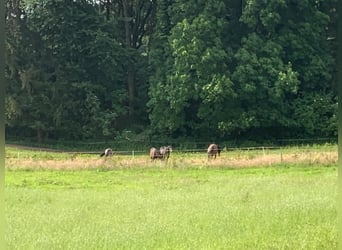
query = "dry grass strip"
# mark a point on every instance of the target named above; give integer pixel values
(226, 160)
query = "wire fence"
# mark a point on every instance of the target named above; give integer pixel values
(176, 150)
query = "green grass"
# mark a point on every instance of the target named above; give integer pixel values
(17, 153)
(278, 207)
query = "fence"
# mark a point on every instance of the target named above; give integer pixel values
(143, 145)
(145, 151)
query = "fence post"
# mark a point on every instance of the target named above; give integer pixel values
(281, 157)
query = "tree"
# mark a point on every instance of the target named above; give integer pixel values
(197, 79)
(135, 22)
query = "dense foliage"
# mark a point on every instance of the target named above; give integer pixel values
(203, 69)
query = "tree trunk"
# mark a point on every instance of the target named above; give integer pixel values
(40, 135)
(127, 19)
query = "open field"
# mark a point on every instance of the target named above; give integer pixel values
(243, 200)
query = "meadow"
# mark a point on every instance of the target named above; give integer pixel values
(256, 199)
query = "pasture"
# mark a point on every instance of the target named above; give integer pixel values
(257, 199)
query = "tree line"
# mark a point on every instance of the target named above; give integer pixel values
(91, 69)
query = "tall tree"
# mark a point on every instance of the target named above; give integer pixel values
(135, 21)
(160, 61)
(197, 81)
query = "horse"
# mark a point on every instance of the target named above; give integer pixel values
(107, 152)
(154, 154)
(213, 150)
(165, 151)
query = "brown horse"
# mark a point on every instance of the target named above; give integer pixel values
(154, 154)
(164, 153)
(213, 150)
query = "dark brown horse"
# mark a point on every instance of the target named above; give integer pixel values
(213, 150)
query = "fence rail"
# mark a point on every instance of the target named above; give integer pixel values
(144, 152)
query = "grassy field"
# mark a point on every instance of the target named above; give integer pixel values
(243, 200)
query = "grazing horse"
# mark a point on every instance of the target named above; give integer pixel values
(165, 151)
(107, 152)
(154, 154)
(213, 150)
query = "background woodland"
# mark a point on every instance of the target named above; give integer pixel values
(216, 70)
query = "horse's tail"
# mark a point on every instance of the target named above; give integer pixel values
(102, 154)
